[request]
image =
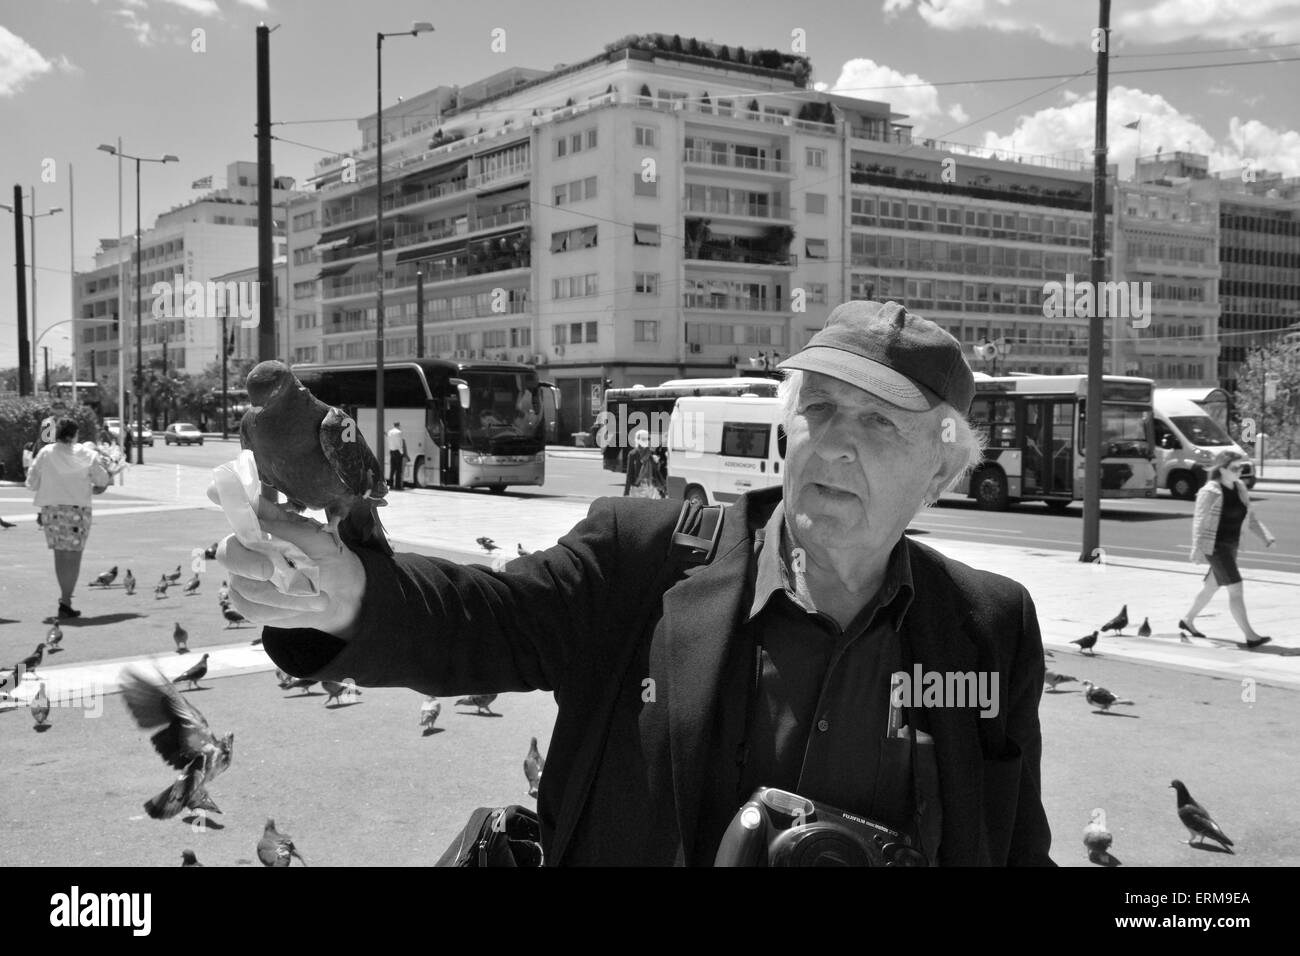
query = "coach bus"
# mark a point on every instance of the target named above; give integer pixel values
(1036, 425)
(466, 424)
(88, 394)
(650, 407)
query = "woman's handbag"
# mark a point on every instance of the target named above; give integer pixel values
(497, 836)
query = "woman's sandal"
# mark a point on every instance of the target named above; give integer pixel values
(1184, 626)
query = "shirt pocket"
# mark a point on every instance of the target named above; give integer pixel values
(894, 800)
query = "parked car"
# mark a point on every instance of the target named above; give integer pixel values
(182, 433)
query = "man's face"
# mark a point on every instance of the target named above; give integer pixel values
(857, 467)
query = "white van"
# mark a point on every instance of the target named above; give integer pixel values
(720, 447)
(1187, 441)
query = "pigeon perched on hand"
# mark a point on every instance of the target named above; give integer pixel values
(104, 578)
(276, 848)
(335, 691)
(487, 544)
(1145, 629)
(1053, 679)
(315, 455)
(129, 582)
(1098, 839)
(195, 673)
(1086, 643)
(1100, 696)
(1197, 819)
(182, 639)
(429, 712)
(192, 585)
(534, 763)
(40, 706)
(54, 636)
(174, 577)
(1118, 622)
(480, 701)
(183, 740)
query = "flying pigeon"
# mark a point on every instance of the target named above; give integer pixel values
(1100, 696)
(1118, 622)
(1098, 839)
(104, 578)
(189, 859)
(183, 740)
(481, 701)
(1196, 818)
(174, 577)
(429, 712)
(192, 585)
(315, 455)
(487, 544)
(276, 848)
(1053, 679)
(233, 617)
(129, 582)
(182, 639)
(7, 524)
(534, 763)
(210, 553)
(1086, 642)
(335, 690)
(40, 706)
(54, 637)
(195, 673)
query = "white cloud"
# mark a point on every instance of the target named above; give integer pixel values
(204, 8)
(144, 33)
(1171, 20)
(19, 63)
(904, 92)
(1056, 22)
(1066, 132)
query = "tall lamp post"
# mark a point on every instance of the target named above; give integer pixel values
(416, 29)
(139, 341)
(32, 261)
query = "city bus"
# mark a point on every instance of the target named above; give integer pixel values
(88, 394)
(1035, 425)
(472, 424)
(650, 407)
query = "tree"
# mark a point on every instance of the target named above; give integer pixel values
(645, 91)
(724, 54)
(1276, 415)
(676, 44)
(740, 55)
(693, 46)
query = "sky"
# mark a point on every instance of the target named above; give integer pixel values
(177, 76)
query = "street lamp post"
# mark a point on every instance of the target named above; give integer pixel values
(416, 29)
(139, 340)
(32, 262)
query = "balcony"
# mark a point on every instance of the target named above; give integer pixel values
(717, 252)
(733, 160)
(737, 209)
(505, 173)
(346, 214)
(464, 268)
(728, 303)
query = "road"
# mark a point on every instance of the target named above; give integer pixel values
(1157, 528)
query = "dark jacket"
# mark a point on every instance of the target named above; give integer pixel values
(631, 762)
(643, 466)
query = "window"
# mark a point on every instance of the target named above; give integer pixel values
(560, 334)
(561, 194)
(574, 287)
(745, 439)
(570, 239)
(816, 292)
(561, 147)
(645, 136)
(815, 203)
(815, 248)
(645, 330)
(642, 188)
(645, 234)
(494, 339)
(646, 283)
(521, 337)
(816, 158)
(592, 326)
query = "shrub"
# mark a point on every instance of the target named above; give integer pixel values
(20, 423)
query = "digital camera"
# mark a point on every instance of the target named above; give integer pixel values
(779, 828)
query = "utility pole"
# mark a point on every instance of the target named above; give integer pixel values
(1096, 331)
(265, 275)
(225, 417)
(24, 346)
(419, 314)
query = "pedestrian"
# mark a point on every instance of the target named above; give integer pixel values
(644, 476)
(769, 664)
(1222, 507)
(396, 455)
(64, 477)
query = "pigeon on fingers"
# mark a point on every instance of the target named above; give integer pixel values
(1086, 643)
(182, 639)
(192, 585)
(1145, 629)
(104, 578)
(1118, 622)
(429, 712)
(1098, 839)
(40, 706)
(480, 701)
(276, 848)
(129, 582)
(1054, 679)
(534, 763)
(1100, 696)
(195, 673)
(1197, 819)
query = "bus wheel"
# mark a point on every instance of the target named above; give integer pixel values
(497, 489)
(1182, 485)
(415, 473)
(1056, 505)
(990, 489)
(695, 495)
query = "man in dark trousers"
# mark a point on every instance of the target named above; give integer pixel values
(681, 692)
(396, 455)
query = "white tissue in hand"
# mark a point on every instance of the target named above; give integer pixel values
(238, 489)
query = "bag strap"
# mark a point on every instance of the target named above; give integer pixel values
(695, 538)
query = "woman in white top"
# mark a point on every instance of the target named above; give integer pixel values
(64, 477)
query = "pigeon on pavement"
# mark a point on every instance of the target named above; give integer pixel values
(184, 740)
(104, 578)
(487, 544)
(129, 582)
(1118, 622)
(335, 691)
(276, 848)
(174, 577)
(7, 524)
(534, 763)
(40, 706)
(1098, 839)
(429, 712)
(233, 617)
(1053, 679)
(161, 590)
(297, 683)
(1100, 696)
(315, 455)
(195, 673)
(192, 585)
(182, 639)
(189, 859)
(33, 660)
(210, 553)
(1086, 643)
(54, 636)
(1196, 818)
(223, 593)
(1145, 629)
(480, 701)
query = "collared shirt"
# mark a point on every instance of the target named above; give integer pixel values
(63, 474)
(395, 442)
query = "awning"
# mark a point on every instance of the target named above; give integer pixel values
(415, 252)
(331, 235)
(326, 246)
(646, 237)
(329, 272)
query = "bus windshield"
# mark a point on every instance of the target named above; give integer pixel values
(1202, 430)
(505, 413)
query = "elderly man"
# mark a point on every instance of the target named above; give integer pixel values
(680, 692)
